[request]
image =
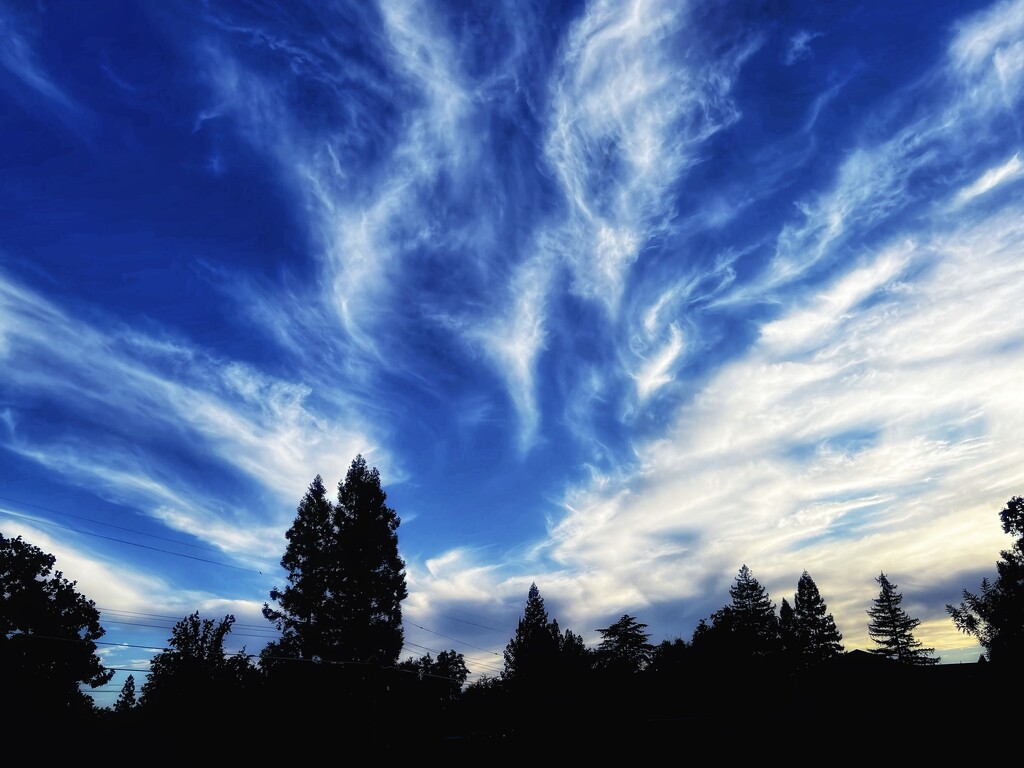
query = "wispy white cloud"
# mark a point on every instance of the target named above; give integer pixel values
(628, 117)
(514, 340)
(163, 388)
(19, 58)
(799, 46)
(992, 178)
(988, 54)
(872, 426)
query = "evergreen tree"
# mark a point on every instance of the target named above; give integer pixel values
(995, 616)
(574, 658)
(787, 632)
(126, 701)
(893, 630)
(624, 646)
(48, 635)
(817, 639)
(372, 572)
(752, 618)
(303, 616)
(346, 581)
(531, 656)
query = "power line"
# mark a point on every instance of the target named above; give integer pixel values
(118, 527)
(485, 650)
(130, 543)
(171, 618)
(471, 623)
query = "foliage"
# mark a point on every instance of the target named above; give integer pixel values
(893, 630)
(442, 677)
(346, 581)
(747, 630)
(531, 656)
(48, 634)
(995, 615)
(670, 657)
(624, 646)
(195, 674)
(815, 636)
(126, 700)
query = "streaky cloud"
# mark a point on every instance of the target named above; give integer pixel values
(994, 177)
(169, 391)
(628, 117)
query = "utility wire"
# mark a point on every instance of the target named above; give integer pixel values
(130, 543)
(111, 525)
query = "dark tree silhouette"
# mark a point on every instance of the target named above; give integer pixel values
(442, 678)
(787, 633)
(195, 678)
(670, 657)
(304, 613)
(346, 581)
(995, 615)
(814, 632)
(624, 646)
(48, 634)
(893, 630)
(531, 656)
(126, 700)
(745, 630)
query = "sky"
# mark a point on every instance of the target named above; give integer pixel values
(617, 296)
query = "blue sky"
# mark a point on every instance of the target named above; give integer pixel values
(618, 297)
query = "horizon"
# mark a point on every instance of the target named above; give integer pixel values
(618, 297)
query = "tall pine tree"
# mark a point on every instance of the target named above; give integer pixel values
(816, 636)
(532, 654)
(893, 630)
(346, 581)
(753, 620)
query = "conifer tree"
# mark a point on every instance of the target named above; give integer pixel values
(624, 646)
(787, 632)
(995, 615)
(532, 653)
(346, 581)
(126, 700)
(816, 636)
(752, 616)
(303, 612)
(893, 630)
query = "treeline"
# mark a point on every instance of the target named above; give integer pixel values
(335, 670)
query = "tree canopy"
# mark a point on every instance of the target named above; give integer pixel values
(48, 634)
(995, 615)
(814, 632)
(893, 630)
(624, 646)
(531, 655)
(346, 580)
(195, 674)
(745, 629)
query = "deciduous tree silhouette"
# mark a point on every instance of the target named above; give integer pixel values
(48, 634)
(893, 630)
(995, 615)
(195, 678)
